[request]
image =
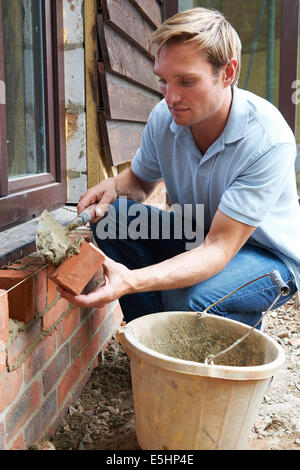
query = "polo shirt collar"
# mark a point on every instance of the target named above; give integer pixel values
(237, 122)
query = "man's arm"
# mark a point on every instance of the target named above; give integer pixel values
(225, 238)
(223, 241)
(106, 192)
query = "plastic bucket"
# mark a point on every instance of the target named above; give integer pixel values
(182, 403)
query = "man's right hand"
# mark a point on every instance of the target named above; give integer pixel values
(126, 183)
(103, 194)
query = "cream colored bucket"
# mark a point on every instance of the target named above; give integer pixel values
(182, 403)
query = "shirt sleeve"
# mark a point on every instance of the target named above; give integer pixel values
(254, 192)
(145, 164)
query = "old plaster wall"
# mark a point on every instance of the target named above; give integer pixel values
(75, 98)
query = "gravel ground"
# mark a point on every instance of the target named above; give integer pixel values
(103, 417)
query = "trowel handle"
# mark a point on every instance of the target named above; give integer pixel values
(274, 275)
(84, 217)
(88, 213)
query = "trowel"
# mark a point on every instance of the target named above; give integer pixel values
(52, 241)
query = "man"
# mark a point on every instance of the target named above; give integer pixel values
(214, 145)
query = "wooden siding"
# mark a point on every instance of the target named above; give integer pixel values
(128, 87)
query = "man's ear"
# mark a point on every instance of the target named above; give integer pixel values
(229, 72)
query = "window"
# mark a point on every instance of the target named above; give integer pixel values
(32, 145)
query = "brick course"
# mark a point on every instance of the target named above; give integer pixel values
(22, 409)
(9, 387)
(22, 298)
(54, 313)
(4, 313)
(47, 358)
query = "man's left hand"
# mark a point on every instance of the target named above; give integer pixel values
(117, 283)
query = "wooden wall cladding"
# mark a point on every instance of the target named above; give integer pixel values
(129, 89)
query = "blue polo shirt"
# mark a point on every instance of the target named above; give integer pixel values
(248, 172)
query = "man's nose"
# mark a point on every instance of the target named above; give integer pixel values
(171, 95)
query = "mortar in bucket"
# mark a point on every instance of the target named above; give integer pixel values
(182, 398)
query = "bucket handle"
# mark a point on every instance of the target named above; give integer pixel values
(283, 290)
(275, 276)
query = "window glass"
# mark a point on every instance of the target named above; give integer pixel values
(24, 79)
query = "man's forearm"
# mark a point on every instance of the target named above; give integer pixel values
(183, 270)
(127, 184)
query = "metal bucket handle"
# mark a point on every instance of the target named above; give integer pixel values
(283, 290)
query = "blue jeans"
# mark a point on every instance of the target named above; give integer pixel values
(250, 262)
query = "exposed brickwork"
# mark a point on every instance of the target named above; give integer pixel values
(22, 409)
(47, 356)
(39, 356)
(4, 313)
(10, 386)
(2, 361)
(24, 340)
(86, 262)
(21, 299)
(68, 380)
(54, 313)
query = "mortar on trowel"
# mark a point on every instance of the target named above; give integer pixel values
(76, 260)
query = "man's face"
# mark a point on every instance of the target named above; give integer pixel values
(193, 90)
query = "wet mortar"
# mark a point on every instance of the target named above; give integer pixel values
(53, 242)
(192, 338)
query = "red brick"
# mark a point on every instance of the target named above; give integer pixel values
(34, 430)
(4, 314)
(23, 341)
(89, 352)
(80, 339)
(67, 326)
(42, 290)
(106, 329)
(2, 361)
(55, 369)
(68, 381)
(97, 280)
(35, 260)
(96, 361)
(115, 310)
(75, 272)
(39, 356)
(54, 313)
(98, 315)
(22, 410)
(18, 443)
(21, 299)
(52, 291)
(2, 438)
(10, 387)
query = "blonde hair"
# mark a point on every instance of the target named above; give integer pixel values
(208, 29)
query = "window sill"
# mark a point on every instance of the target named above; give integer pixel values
(19, 241)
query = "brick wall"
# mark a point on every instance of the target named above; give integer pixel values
(48, 349)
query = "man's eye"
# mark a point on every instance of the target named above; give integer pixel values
(188, 82)
(162, 81)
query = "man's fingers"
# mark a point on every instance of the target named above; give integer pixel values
(93, 299)
(106, 200)
(87, 199)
